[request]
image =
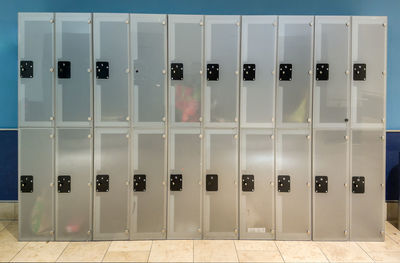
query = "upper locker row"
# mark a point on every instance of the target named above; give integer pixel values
(131, 70)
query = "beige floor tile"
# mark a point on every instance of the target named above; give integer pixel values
(344, 252)
(40, 252)
(255, 245)
(257, 251)
(3, 224)
(84, 252)
(10, 232)
(128, 251)
(214, 251)
(171, 251)
(387, 245)
(385, 256)
(389, 228)
(10, 248)
(6, 210)
(300, 251)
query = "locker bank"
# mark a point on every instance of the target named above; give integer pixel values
(154, 126)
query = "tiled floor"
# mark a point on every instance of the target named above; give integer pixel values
(197, 251)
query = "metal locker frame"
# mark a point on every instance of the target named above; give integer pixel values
(36, 208)
(193, 81)
(147, 68)
(135, 232)
(114, 200)
(331, 116)
(184, 203)
(39, 90)
(224, 75)
(208, 232)
(256, 220)
(79, 71)
(73, 209)
(369, 204)
(115, 71)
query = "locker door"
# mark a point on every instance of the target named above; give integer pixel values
(185, 67)
(330, 185)
(293, 194)
(149, 56)
(369, 82)
(36, 69)
(74, 66)
(184, 218)
(73, 178)
(111, 175)
(222, 42)
(111, 69)
(221, 185)
(295, 52)
(148, 205)
(36, 196)
(257, 184)
(258, 66)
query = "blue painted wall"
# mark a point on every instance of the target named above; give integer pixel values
(9, 32)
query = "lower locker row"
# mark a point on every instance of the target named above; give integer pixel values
(113, 184)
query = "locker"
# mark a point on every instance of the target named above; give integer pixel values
(148, 203)
(184, 209)
(149, 55)
(36, 69)
(220, 204)
(111, 69)
(222, 48)
(331, 128)
(257, 202)
(111, 183)
(331, 185)
(293, 194)
(185, 67)
(295, 52)
(74, 66)
(36, 185)
(258, 58)
(73, 178)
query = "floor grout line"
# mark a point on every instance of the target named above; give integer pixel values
(151, 247)
(365, 252)
(62, 252)
(109, 245)
(318, 245)
(19, 251)
(280, 253)
(237, 255)
(193, 252)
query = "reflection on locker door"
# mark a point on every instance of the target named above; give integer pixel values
(330, 185)
(331, 125)
(293, 190)
(73, 179)
(36, 69)
(258, 67)
(36, 194)
(74, 66)
(111, 69)
(257, 184)
(295, 52)
(222, 42)
(111, 183)
(184, 212)
(221, 185)
(186, 67)
(149, 56)
(148, 205)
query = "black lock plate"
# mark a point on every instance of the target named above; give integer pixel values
(249, 72)
(322, 72)
(26, 183)
(248, 183)
(213, 72)
(212, 182)
(102, 70)
(64, 183)
(177, 71)
(139, 183)
(284, 183)
(360, 72)
(64, 69)
(321, 184)
(176, 182)
(285, 72)
(26, 69)
(102, 183)
(358, 183)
